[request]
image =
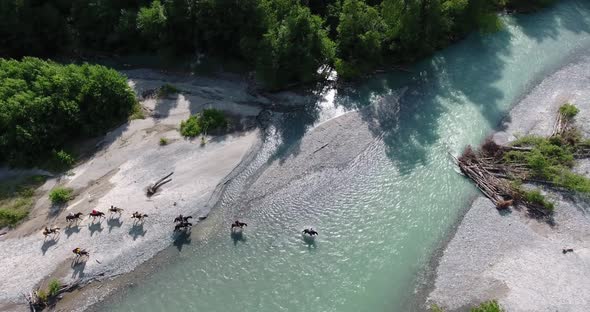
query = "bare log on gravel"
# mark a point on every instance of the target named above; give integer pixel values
(153, 188)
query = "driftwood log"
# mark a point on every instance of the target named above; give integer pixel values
(153, 188)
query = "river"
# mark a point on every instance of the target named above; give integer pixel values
(387, 202)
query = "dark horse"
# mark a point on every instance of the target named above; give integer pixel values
(138, 216)
(96, 213)
(182, 219)
(74, 217)
(48, 231)
(182, 225)
(310, 232)
(114, 209)
(238, 224)
(79, 252)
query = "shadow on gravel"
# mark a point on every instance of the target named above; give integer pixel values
(47, 244)
(78, 267)
(95, 227)
(137, 230)
(71, 230)
(114, 223)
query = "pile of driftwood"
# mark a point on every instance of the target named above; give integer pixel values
(494, 176)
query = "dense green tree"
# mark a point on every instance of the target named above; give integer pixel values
(294, 48)
(367, 33)
(360, 36)
(43, 105)
(151, 22)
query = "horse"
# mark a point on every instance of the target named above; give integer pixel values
(74, 217)
(310, 232)
(114, 209)
(238, 224)
(138, 216)
(182, 225)
(48, 231)
(182, 218)
(96, 213)
(79, 252)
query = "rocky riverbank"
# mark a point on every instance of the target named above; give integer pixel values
(509, 256)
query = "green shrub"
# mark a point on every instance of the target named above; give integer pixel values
(60, 161)
(167, 89)
(436, 308)
(163, 141)
(488, 306)
(43, 105)
(60, 195)
(53, 288)
(190, 127)
(16, 199)
(568, 111)
(11, 217)
(213, 119)
(210, 119)
(137, 112)
(42, 295)
(535, 197)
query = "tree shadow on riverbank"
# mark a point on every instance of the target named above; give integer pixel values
(405, 109)
(573, 16)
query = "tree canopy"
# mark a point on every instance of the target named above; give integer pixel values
(43, 105)
(285, 40)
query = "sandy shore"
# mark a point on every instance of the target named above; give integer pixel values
(510, 257)
(128, 159)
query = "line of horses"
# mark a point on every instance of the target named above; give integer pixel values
(181, 223)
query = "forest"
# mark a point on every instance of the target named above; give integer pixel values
(285, 41)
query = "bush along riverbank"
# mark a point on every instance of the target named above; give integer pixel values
(45, 105)
(501, 172)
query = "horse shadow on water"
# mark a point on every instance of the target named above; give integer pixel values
(237, 237)
(309, 241)
(181, 238)
(114, 223)
(78, 265)
(137, 230)
(95, 227)
(48, 243)
(71, 230)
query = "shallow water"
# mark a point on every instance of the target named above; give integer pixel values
(381, 215)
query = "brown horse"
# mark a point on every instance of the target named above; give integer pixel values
(182, 218)
(238, 224)
(310, 232)
(114, 209)
(74, 217)
(138, 216)
(79, 252)
(182, 225)
(95, 213)
(48, 231)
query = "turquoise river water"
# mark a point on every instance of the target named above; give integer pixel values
(380, 216)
